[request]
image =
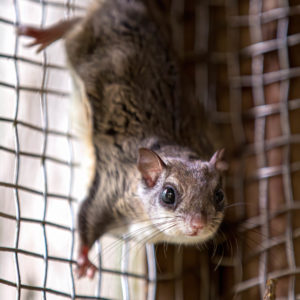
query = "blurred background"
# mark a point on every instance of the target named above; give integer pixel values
(240, 65)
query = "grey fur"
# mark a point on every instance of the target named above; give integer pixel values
(130, 80)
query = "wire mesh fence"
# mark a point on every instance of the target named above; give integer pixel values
(39, 167)
(244, 59)
(240, 59)
(261, 108)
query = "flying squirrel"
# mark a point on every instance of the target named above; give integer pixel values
(145, 179)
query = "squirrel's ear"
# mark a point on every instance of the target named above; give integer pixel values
(150, 165)
(218, 161)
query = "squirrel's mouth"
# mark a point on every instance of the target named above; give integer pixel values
(204, 232)
(194, 233)
(198, 232)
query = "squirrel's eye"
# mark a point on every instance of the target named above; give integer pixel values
(168, 196)
(219, 198)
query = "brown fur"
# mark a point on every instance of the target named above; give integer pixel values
(130, 81)
(148, 168)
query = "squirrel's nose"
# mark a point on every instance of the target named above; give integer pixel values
(199, 221)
